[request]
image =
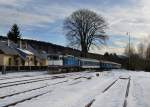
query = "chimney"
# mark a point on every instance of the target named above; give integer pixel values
(20, 45)
(8, 42)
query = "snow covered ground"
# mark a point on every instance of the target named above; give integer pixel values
(116, 88)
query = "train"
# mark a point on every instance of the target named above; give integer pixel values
(72, 63)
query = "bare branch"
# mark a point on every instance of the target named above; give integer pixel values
(85, 28)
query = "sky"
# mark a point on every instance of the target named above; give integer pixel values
(43, 20)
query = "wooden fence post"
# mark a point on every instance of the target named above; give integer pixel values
(4, 69)
(30, 68)
(18, 68)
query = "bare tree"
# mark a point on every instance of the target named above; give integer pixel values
(128, 52)
(85, 28)
(132, 56)
(148, 52)
(141, 50)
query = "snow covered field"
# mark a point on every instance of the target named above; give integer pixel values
(116, 88)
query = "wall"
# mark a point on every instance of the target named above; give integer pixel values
(6, 60)
(30, 61)
(1, 59)
(44, 62)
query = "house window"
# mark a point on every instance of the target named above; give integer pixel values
(23, 62)
(35, 61)
(31, 59)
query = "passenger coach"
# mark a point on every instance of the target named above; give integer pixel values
(86, 63)
(109, 65)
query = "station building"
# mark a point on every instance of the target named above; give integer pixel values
(23, 54)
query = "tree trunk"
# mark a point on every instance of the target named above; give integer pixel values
(84, 51)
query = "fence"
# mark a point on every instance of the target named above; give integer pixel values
(7, 69)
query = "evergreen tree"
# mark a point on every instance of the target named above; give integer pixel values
(14, 33)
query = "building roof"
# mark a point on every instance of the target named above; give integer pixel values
(13, 49)
(9, 50)
(40, 55)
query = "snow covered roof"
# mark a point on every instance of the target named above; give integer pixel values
(13, 49)
(25, 51)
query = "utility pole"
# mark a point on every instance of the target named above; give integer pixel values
(128, 34)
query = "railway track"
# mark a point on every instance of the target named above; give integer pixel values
(109, 88)
(127, 93)
(47, 76)
(41, 87)
(15, 77)
(21, 80)
(26, 82)
(42, 90)
(25, 99)
(26, 91)
(90, 103)
(9, 95)
(8, 84)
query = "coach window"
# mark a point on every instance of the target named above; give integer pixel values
(23, 62)
(60, 58)
(55, 58)
(50, 57)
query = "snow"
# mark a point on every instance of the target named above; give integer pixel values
(69, 95)
(76, 89)
(25, 51)
(19, 74)
(140, 95)
(114, 97)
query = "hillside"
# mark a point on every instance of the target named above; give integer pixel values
(57, 49)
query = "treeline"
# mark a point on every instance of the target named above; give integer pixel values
(121, 59)
(138, 58)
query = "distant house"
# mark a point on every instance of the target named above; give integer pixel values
(8, 55)
(27, 57)
(40, 57)
(12, 54)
